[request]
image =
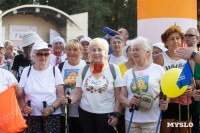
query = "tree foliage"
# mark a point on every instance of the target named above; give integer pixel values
(112, 13)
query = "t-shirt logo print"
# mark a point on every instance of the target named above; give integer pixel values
(96, 88)
(142, 84)
(70, 78)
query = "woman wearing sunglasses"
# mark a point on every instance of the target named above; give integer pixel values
(41, 83)
(172, 39)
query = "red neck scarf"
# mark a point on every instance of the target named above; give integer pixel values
(56, 54)
(97, 68)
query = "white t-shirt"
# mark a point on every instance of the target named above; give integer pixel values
(40, 86)
(52, 60)
(70, 74)
(116, 60)
(149, 81)
(6, 79)
(99, 95)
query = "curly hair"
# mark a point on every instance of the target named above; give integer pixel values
(170, 31)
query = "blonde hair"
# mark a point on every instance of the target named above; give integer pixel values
(74, 43)
(8, 45)
(99, 42)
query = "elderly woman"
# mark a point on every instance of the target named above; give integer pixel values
(23, 60)
(117, 44)
(158, 48)
(69, 71)
(42, 83)
(98, 89)
(58, 56)
(148, 77)
(172, 38)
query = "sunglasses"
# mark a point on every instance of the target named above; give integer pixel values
(189, 35)
(42, 54)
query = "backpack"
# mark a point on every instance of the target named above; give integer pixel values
(30, 71)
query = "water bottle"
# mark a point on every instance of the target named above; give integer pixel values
(109, 31)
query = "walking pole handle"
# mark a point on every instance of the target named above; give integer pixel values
(44, 104)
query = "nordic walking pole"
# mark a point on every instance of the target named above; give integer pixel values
(134, 107)
(44, 106)
(29, 119)
(164, 98)
(66, 115)
(188, 113)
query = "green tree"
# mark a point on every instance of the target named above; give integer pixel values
(112, 13)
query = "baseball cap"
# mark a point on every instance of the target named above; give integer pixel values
(86, 39)
(39, 45)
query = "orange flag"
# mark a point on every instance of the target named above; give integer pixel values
(11, 119)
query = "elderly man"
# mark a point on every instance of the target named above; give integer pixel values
(58, 56)
(191, 39)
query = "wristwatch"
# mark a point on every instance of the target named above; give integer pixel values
(193, 54)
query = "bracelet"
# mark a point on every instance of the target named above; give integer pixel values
(115, 114)
(54, 108)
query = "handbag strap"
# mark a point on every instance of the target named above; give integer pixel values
(136, 83)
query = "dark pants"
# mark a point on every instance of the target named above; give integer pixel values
(94, 123)
(121, 124)
(73, 125)
(39, 124)
(195, 117)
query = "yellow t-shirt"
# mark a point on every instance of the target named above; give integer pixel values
(122, 68)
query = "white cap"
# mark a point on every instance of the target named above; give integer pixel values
(29, 38)
(58, 39)
(124, 50)
(1, 45)
(86, 39)
(160, 45)
(39, 45)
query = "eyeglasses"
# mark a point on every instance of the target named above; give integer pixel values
(189, 35)
(42, 54)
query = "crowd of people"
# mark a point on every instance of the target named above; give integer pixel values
(88, 86)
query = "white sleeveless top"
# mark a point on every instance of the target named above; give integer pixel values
(170, 63)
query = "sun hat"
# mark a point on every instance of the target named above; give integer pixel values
(124, 50)
(86, 39)
(160, 45)
(29, 38)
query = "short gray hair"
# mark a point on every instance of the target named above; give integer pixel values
(116, 37)
(196, 31)
(145, 43)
